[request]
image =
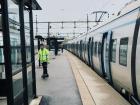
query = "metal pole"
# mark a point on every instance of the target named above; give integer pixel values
(38, 39)
(87, 23)
(49, 35)
(36, 26)
(7, 53)
(32, 50)
(38, 49)
(96, 17)
(23, 51)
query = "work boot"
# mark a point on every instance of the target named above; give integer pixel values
(46, 75)
(43, 76)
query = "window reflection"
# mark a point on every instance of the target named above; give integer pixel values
(113, 49)
(27, 36)
(0, 6)
(2, 67)
(13, 10)
(14, 31)
(3, 101)
(17, 84)
(123, 51)
(14, 28)
(28, 54)
(30, 81)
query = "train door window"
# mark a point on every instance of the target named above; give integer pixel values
(95, 49)
(88, 47)
(84, 46)
(113, 49)
(99, 48)
(80, 45)
(92, 46)
(123, 51)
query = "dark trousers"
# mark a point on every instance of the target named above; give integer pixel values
(62, 50)
(44, 64)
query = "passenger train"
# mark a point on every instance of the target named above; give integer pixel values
(112, 49)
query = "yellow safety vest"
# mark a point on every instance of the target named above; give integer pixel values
(43, 55)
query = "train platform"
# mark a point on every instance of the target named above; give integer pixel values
(71, 82)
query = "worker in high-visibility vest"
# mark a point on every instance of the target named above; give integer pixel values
(44, 59)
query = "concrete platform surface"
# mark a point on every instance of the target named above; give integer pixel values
(60, 88)
(99, 90)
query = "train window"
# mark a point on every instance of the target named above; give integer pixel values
(123, 51)
(113, 50)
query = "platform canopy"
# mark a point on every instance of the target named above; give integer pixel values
(35, 4)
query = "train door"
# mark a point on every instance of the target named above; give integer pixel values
(76, 49)
(89, 50)
(80, 49)
(92, 46)
(82, 42)
(135, 63)
(84, 49)
(106, 46)
(86, 54)
(138, 67)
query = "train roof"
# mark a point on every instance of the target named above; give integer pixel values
(134, 4)
(131, 6)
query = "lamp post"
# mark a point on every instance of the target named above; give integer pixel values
(49, 34)
(36, 26)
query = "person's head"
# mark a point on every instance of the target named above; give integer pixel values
(41, 46)
(47, 47)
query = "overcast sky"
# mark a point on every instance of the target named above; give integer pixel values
(63, 10)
